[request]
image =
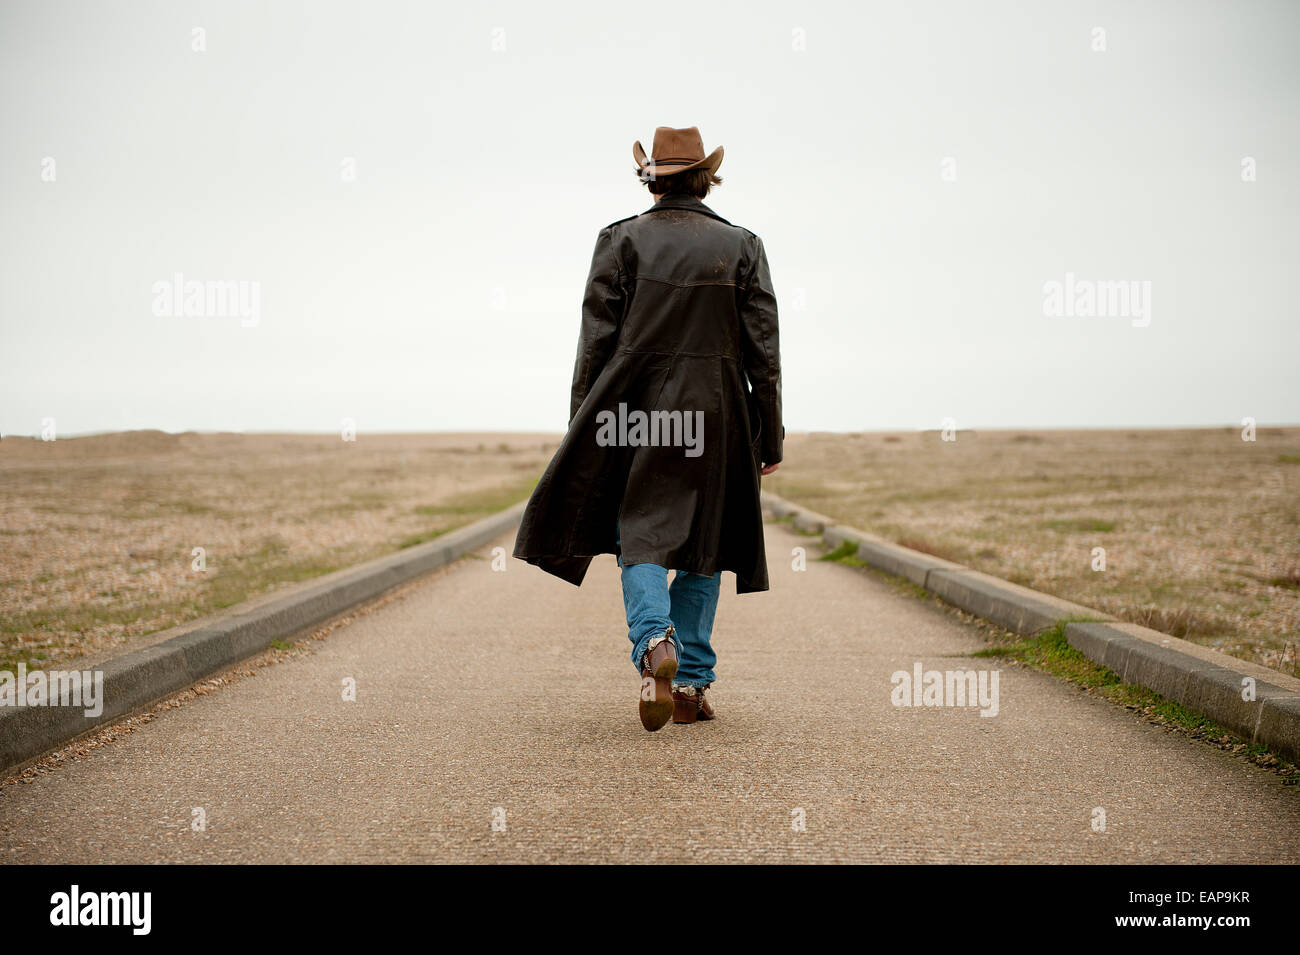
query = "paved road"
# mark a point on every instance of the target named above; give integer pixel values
(483, 690)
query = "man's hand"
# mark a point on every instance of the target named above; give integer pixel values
(769, 468)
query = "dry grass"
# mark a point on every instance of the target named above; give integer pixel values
(97, 533)
(1201, 530)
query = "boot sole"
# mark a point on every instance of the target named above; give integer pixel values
(655, 713)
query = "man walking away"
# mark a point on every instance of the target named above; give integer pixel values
(675, 412)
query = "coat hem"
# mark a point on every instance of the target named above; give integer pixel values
(573, 568)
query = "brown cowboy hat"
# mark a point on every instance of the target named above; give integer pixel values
(674, 151)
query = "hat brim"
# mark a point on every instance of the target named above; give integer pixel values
(648, 169)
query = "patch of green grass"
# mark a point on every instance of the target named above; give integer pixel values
(464, 508)
(1050, 651)
(236, 579)
(1087, 525)
(254, 574)
(1290, 580)
(1288, 459)
(368, 500)
(791, 490)
(281, 645)
(415, 540)
(479, 503)
(78, 618)
(788, 521)
(846, 553)
(356, 501)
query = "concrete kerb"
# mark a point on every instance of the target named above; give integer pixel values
(144, 676)
(1260, 705)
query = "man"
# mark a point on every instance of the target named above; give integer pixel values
(674, 413)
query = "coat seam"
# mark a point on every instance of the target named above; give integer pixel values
(767, 358)
(655, 278)
(670, 354)
(587, 343)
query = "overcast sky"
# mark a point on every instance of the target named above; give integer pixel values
(918, 172)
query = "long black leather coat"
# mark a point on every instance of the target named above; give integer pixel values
(679, 315)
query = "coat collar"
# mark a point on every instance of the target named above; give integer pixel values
(683, 201)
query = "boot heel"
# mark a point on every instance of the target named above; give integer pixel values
(685, 711)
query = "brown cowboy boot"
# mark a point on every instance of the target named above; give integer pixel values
(658, 667)
(690, 704)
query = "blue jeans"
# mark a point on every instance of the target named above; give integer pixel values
(688, 606)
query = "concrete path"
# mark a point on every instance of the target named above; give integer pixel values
(483, 691)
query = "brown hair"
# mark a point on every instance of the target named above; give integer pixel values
(695, 182)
